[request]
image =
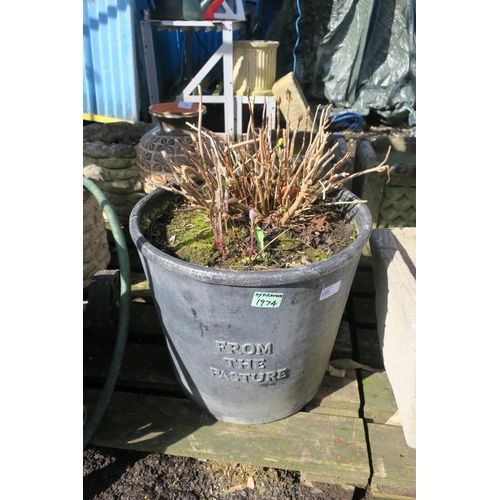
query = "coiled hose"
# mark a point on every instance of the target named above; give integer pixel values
(124, 313)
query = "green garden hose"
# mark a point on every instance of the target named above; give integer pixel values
(124, 314)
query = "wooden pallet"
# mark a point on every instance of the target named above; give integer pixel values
(327, 441)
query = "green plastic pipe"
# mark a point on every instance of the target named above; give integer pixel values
(124, 314)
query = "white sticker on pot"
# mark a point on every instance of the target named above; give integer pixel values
(185, 105)
(267, 299)
(330, 290)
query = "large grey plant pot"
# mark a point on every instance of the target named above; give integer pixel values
(240, 362)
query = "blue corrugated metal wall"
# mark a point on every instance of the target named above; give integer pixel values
(114, 76)
(110, 82)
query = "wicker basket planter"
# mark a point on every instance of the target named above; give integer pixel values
(96, 256)
(112, 148)
(392, 204)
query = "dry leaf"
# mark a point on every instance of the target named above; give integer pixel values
(334, 372)
(303, 482)
(320, 223)
(238, 487)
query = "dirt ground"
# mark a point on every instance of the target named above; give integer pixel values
(112, 474)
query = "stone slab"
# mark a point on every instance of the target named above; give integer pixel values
(298, 104)
(394, 269)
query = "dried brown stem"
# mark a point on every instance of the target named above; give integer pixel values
(272, 178)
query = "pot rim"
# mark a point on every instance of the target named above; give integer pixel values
(256, 43)
(248, 278)
(173, 110)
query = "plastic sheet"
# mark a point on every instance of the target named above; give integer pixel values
(357, 54)
(367, 59)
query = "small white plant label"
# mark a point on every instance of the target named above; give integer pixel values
(330, 290)
(267, 299)
(185, 105)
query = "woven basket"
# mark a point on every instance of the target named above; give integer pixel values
(96, 255)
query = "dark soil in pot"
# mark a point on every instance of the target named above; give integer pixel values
(312, 236)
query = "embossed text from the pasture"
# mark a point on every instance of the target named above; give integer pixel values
(237, 367)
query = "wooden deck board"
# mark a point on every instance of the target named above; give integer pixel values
(343, 344)
(364, 310)
(394, 463)
(143, 319)
(337, 396)
(370, 353)
(380, 404)
(326, 446)
(143, 365)
(363, 282)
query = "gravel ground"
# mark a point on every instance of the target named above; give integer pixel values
(110, 474)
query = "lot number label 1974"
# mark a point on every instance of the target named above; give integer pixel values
(267, 299)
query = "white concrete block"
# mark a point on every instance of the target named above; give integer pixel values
(394, 268)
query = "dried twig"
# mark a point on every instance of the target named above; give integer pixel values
(257, 173)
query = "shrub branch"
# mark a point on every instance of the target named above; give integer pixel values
(258, 173)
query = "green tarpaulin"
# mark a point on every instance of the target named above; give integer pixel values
(357, 54)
